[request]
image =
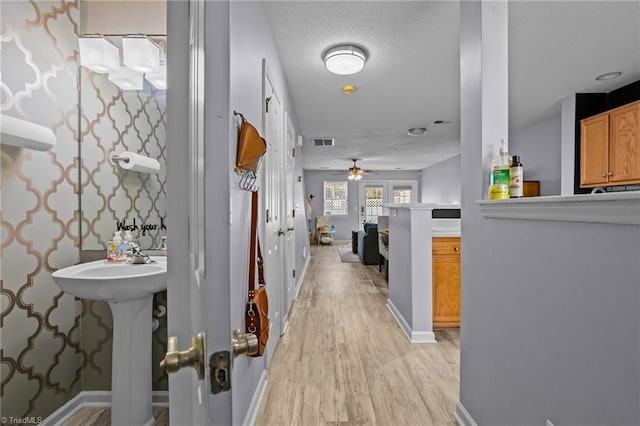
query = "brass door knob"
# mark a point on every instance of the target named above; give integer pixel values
(281, 232)
(174, 359)
(244, 343)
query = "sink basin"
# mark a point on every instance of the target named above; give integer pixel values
(102, 280)
(128, 289)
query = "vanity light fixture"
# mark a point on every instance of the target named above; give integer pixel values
(127, 79)
(140, 54)
(345, 59)
(98, 54)
(158, 79)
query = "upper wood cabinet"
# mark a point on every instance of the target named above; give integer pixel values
(610, 147)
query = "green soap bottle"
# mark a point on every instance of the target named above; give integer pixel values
(499, 180)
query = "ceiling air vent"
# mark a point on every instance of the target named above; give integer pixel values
(323, 141)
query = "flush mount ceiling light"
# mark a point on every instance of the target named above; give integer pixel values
(609, 76)
(127, 79)
(99, 55)
(416, 131)
(345, 59)
(158, 79)
(140, 54)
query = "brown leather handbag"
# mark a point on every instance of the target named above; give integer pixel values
(251, 147)
(257, 312)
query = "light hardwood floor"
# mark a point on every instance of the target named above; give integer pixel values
(344, 359)
(102, 417)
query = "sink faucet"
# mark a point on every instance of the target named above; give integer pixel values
(137, 256)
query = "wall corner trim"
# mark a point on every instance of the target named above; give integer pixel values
(462, 416)
(617, 208)
(256, 400)
(413, 336)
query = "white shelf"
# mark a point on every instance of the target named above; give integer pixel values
(617, 208)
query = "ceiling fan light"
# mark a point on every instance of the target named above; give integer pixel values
(140, 54)
(99, 55)
(345, 59)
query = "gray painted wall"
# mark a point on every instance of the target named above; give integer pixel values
(550, 310)
(250, 42)
(314, 184)
(539, 146)
(440, 183)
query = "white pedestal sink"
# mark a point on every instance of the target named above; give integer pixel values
(129, 290)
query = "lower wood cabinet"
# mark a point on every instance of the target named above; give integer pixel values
(446, 282)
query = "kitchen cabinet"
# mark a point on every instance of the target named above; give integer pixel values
(610, 147)
(446, 282)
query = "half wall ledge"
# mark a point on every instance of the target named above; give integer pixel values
(621, 208)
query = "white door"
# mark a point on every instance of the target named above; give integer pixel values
(372, 195)
(185, 263)
(271, 214)
(288, 215)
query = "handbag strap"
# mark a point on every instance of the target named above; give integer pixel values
(252, 245)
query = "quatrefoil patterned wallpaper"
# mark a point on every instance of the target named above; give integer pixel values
(52, 345)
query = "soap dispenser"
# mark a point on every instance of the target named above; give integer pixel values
(116, 251)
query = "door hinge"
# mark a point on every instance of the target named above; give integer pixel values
(266, 106)
(267, 215)
(293, 213)
(293, 153)
(294, 273)
(220, 371)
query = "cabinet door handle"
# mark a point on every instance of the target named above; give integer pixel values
(604, 175)
(456, 249)
(610, 174)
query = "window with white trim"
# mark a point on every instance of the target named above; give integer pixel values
(335, 199)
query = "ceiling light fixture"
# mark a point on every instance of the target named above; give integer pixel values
(140, 54)
(609, 76)
(345, 59)
(98, 54)
(416, 131)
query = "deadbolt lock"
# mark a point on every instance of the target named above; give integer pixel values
(174, 359)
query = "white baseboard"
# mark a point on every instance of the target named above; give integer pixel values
(97, 399)
(256, 401)
(301, 279)
(462, 416)
(413, 336)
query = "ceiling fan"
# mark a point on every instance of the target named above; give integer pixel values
(354, 172)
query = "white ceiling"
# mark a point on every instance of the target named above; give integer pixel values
(411, 78)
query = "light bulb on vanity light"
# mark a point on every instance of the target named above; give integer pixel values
(140, 54)
(127, 79)
(98, 54)
(158, 79)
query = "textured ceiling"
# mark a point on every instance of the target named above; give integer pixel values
(411, 78)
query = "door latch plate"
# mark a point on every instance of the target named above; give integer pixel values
(220, 371)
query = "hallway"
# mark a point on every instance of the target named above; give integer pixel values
(344, 359)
